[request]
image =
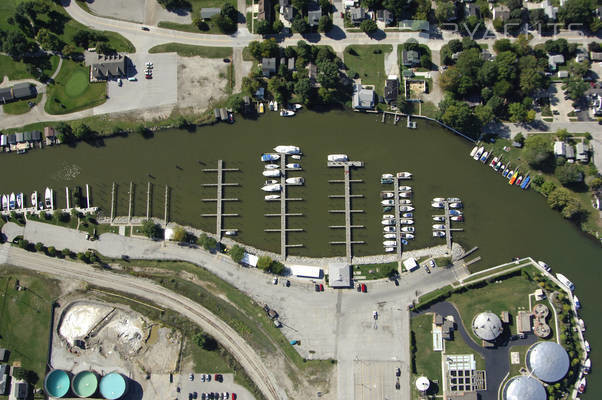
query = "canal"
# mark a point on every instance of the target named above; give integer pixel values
(502, 220)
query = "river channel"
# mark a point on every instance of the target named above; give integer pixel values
(503, 221)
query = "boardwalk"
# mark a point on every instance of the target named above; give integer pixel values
(219, 215)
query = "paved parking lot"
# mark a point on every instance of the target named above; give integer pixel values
(376, 380)
(187, 387)
(161, 90)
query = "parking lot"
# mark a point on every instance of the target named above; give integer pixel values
(161, 90)
(376, 380)
(188, 387)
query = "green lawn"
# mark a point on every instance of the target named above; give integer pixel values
(196, 12)
(25, 317)
(428, 362)
(72, 90)
(21, 106)
(369, 65)
(18, 69)
(459, 346)
(186, 50)
(375, 271)
(204, 360)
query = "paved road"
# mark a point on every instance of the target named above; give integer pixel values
(227, 336)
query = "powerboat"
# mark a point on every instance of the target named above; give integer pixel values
(565, 281)
(296, 156)
(4, 202)
(437, 204)
(271, 196)
(405, 194)
(285, 149)
(276, 187)
(582, 385)
(387, 195)
(484, 157)
(271, 105)
(581, 324)
(388, 222)
(386, 180)
(271, 173)
(386, 176)
(455, 205)
(406, 208)
(405, 201)
(389, 229)
(439, 218)
(586, 345)
(439, 199)
(389, 249)
(493, 162)
(287, 113)
(474, 151)
(20, 200)
(11, 202)
(519, 180)
(439, 234)
(455, 212)
(390, 236)
(388, 202)
(544, 266)
(297, 106)
(457, 218)
(525, 182)
(577, 302)
(261, 108)
(275, 105)
(293, 166)
(409, 229)
(272, 166)
(230, 233)
(406, 221)
(388, 216)
(271, 181)
(405, 189)
(478, 154)
(408, 215)
(439, 227)
(34, 199)
(338, 157)
(390, 243)
(270, 157)
(452, 199)
(404, 242)
(387, 209)
(48, 198)
(297, 180)
(587, 366)
(404, 175)
(407, 235)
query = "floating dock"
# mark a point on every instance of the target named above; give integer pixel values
(219, 200)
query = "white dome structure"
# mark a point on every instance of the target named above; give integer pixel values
(487, 326)
(423, 384)
(524, 388)
(549, 361)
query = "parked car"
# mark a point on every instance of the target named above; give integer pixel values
(288, 283)
(317, 287)
(219, 378)
(275, 281)
(144, 28)
(202, 377)
(364, 288)
(191, 377)
(321, 287)
(119, 81)
(432, 264)
(426, 268)
(397, 371)
(132, 79)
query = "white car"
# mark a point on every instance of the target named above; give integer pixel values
(148, 64)
(275, 281)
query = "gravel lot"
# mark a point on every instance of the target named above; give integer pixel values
(128, 10)
(201, 81)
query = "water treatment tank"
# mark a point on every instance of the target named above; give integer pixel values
(57, 383)
(113, 386)
(84, 384)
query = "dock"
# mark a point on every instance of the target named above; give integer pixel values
(347, 196)
(398, 248)
(219, 199)
(448, 228)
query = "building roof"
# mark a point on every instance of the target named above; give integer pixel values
(549, 361)
(3, 352)
(410, 58)
(20, 137)
(6, 95)
(524, 388)
(24, 91)
(357, 14)
(471, 9)
(108, 66)
(523, 322)
(549, 10)
(306, 271)
(563, 74)
(4, 380)
(487, 326)
(268, 66)
(559, 148)
(502, 12)
(595, 55)
(385, 16)
(463, 396)
(410, 264)
(363, 99)
(570, 152)
(20, 390)
(581, 148)
(339, 275)
(265, 10)
(313, 17)
(27, 136)
(209, 12)
(287, 11)
(49, 132)
(391, 90)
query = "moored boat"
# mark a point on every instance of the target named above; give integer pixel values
(405, 201)
(439, 218)
(404, 175)
(409, 229)
(455, 205)
(296, 156)
(388, 216)
(388, 202)
(406, 208)
(455, 212)
(439, 234)
(525, 182)
(406, 221)
(271, 166)
(586, 345)
(474, 151)
(389, 229)
(405, 188)
(581, 324)
(230, 233)
(386, 180)
(389, 249)
(275, 105)
(587, 366)
(271, 181)
(565, 281)
(577, 302)
(293, 166)
(48, 198)
(439, 199)
(287, 113)
(271, 105)
(478, 154)
(408, 215)
(19, 199)
(390, 243)
(544, 266)
(404, 242)
(270, 157)
(407, 235)
(390, 236)
(11, 201)
(34, 199)
(513, 178)
(271, 173)
(272, 188)
(457, 218)
(519, 180)
(271, 197)
(4, 202)
(287, 149)
(439, 227)
(582, 385)
(338, 157)
(388, 221)
(493, 162)
(457, 199)
(386, 176)
(484, 157)
(405, 194)
(437, 204)
(297, 106)
(297, 180)
(387, 195)
(261, 108)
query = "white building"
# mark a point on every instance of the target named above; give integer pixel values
(410, 264)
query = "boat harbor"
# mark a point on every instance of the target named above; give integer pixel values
(220, 199)
(443, 223)
(337, 161)
(513, 175)
(400, 225)
(45, 201)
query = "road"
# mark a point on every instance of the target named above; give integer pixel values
(227, 336)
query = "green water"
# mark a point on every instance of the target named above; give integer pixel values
(502, 220)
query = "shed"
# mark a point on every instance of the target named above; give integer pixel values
(6, 95)
(250, 259)
(582, 153)
(20, 137)
(24, 91)
(339, 275)
(3, 140)
(410, 264)
(208, 13)
(36, 136)
(306, 271)
(12, 138)
(563, 74)
(49, 132)
(291, 64)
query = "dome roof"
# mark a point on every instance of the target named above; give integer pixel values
(487, 326)
(549, 361)
(423, 383)
(524, 388)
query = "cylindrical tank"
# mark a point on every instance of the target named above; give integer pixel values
(84, 384)
(113, 386)
(57, 383)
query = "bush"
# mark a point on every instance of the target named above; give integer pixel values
(207, 242)
(205, 341)
(150, 229)
(569, 174)
(264, 263)
(237, 253)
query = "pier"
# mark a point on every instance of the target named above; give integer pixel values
(347, 211)
(398, 248)
(448, 228)
(219, 199)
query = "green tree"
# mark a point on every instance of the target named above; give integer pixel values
(547, 188)
(328, 74)
(237, 253)
(207, 242)
(66, 252)
(303, 90)
(577, 11)
(484, 114)
(277, 26)
(575, 87)
(299, 25)
(519, 138)
(51, 251)
(16, 45)
(445, 11)
(518, 112)
(205, 341)
(179, 234)
(264, 263)
(277, 268)
(104, 48)
(83, 132)
(39, 246)
(538, 151)
(326, 95)
(559, 198)
(325, 23)
(150, 229)
(263, 27)
(48, 40)
(569, 174)
(368, 26)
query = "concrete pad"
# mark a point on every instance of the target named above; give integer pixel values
(376, 380)
(128, 10)
(59, 237)
(198, 386)
(12, 230)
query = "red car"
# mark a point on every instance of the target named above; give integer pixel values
(364, 289)
(233, 397)
(321, 287)
(218, 378)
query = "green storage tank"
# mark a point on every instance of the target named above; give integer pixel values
(84, 384)
(57, 383)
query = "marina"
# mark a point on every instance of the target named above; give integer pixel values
(450, 206)
(220, 199)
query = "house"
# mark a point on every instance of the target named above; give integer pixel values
(391, 89)
(559, 148)
(563, 74)
(49, 135)
(260, 93)
(265, 10)
(20, 137)
(549, 10)
(447, 329)
(24, 91)
(570, 153)
(363, 99)
(3, 140)
(410, 264)
(312, 74)
(582, 153)
(555, 60)
(291, 64)
(313, 17)
(474, 100)
(208, 13)
(349, 3)
(109, 67)
(27, 136)
(471, 10)
(286, 10)
(357, 15)
(384, 16)
(501, 12)
(407, 73)
(20, 390)
(410, 58)
(268, 66)
(12, 139)
(6, 95)
(4, 379)
(595, 55)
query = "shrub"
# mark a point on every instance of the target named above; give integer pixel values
(237, 253)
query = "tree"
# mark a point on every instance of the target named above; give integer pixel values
(538, 151)
(277, 268)
(559, 198)
(299, 25)
(207, 242)
(16, 45)
(301, 5)
(264, 263)
(484, 114)
(303, 90)
(445, 10)
(325, 6)
(518, 112)
(368, 26)
(277, 26)
(104, 48)
(547, 187)
(326, 95)
(201, 24)
(506, 65)
(563, 135)
(51, 251)
(519, 138)
(237, 253)
(39, 246)
(48, 40)
(236, 103)
(179, 234)
(83, 132)
(569, 174)
(325, 23)
(205, 341)
(68, 51)
(174, 4)
(228, 10)
(66, 252)
(225, 23)
(328, 74)
(150, 229)
(576, 11)
(263, 27)
(425, 61)
(576, 87)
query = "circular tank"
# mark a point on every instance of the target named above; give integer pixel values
(85, 384)
(57, 383)
(113, 386)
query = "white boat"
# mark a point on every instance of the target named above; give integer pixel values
(293, 166)
(438, 199)
(287, 113)
(11, 201)
(388, 202)
(582, 384)
(439, 218)
(275, 105)
(271, 173)
(337, 157)
(484, 157)
(438, 234)
(406, 221)
(587, 366)
(388, 222)
(48, 198)
(297, 180)
(544, 266)
(4, 202)
(437, 204)
(581, 324)
(297, 106)
(389, 229)
(405, 201)
(271, 181)
(272, 166)
(404, 175)
(405, 194)
(296, 156)
(479, 153)
(272, 188)
(406, 208)
(390, 243)
(271, 105)
(586, 345)
(407, 215)
(407, 235)
(409, 229)
(386, 176)
(455, 205)
(271, 196)
(389, 249)
(439, 227)
(474, 151)
(577, 302)
(388, 216)
(453, 199)
(565, 281)
(270, 157)
(387, 195)
(287, 149)
(230, 233)
(19, 199)
(390, 236)
(457, 218)
(455, 212)
(405, 189)
(34, 200)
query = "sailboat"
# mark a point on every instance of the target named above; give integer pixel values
(4, 202)
(34, 200)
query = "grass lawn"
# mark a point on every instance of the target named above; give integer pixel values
(25, 317)
(186, 50)
(459, 346)
(515, 368)
(375, 271)
(72, 90)
(369, 65)
(428, 362)
(204, 360)
(21, 106)
(196, 12)
(18, 69)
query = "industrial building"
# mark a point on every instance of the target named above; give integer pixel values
(487, 326)
(524, 388)
(548, 361)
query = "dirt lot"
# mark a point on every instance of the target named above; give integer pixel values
(201, 81)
